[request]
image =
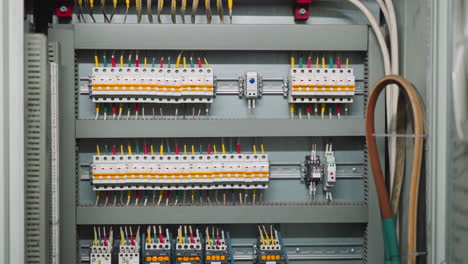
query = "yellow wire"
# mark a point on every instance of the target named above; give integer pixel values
(193, 150)
(293, 62)
(91, 3)
(137, 4)
(98, 151)
(120, 108)
(208, 237)
(96, 61)
(122, 150)
(223, 149)
(129, 196)
(177, 64)
(174, 4)
(291, 108)
(184, 5)
(162, 4)
(230, 4)
(262, 148)
(97, 108)
(161, 194)
(180, 236)
(185, 62)
(152, 149)
(214, 149)
(122, 239)
(347, 63)
(317, 63)
(145, 63)
(95, 237)
(80, 3)
(115, 3)
(161, 149)
(254, 149)
(149, 236)
(129, 150)
(206, 63)
(323, 108)
(121, 62)
(261, 237)
(127, 3)
(185, 149)
(323, 63)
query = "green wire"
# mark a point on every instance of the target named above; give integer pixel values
(230, 149)
(154, 63)
(330, 109)
(201, 149)
(129, 62)
(169, 62)
(299, 109)
(106, 149)
(331, 62)
(300, 62)
(105, 61)
(192, 64)
(168, 149)
(137, 148)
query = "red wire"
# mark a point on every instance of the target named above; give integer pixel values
(238, 149)
(209, 149)
(168, 195)
(131, 240)
(161, 240)
(308, 106)
(218, 240)
(200, 65)
(192, 240)
(145, 149)
(114, 150)
(137, 194)
(309, 62)
(177, 149)
(161, 63)
(137, 108)
(113, 61)
(105, 240)
(137, 62)
(339, 63)
(338, 109)
(114, 109)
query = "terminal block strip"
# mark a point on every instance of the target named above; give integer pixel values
(152, 85)
(325, 86)
(180, 172)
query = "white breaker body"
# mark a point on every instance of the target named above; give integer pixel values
(180, 172)
(327, 86)
(152, 85)
(129, 254)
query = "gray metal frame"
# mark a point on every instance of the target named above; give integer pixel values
(71, 129)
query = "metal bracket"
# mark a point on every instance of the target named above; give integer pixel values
(285, 86)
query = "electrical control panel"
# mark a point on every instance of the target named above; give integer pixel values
(152, 85)
(158, 246)
(180, 172)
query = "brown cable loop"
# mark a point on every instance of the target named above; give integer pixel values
(418, 119)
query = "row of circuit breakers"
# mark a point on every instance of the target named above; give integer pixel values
(150, 172)
(135, 85)
(155, 245)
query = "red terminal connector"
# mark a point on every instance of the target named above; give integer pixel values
(302, 9)
(63, 8)
(177, 149)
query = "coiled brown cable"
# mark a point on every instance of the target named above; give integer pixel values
(418, 119)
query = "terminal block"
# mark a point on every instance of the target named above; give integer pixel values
(188, 247)
(216, 247)
(269, 248)
(324, 86)
(180, 172)
(152, 85)
(129, 249)
(101, 250)
(157, 247)
(313, 172)
(330, 172)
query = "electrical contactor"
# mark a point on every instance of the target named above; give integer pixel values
(180, 172)
(129, 249)
(216, 247)
(152, 85)
(313, 172)
(269, 248)
(188, 248)
(157, 247)
(101, 249)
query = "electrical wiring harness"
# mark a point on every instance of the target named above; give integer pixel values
(388, 223)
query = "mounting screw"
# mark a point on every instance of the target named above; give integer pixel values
(354, 170)
(298, 250)
(302, 11)
(63, 9)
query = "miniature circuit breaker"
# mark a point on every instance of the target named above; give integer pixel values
(324, 86)
(216, 247)
(269, 248)
(330, 172)
(152, 85)
(157, 247)
(188, 247)
(313, 172)
(180, 172)
(129, 249)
